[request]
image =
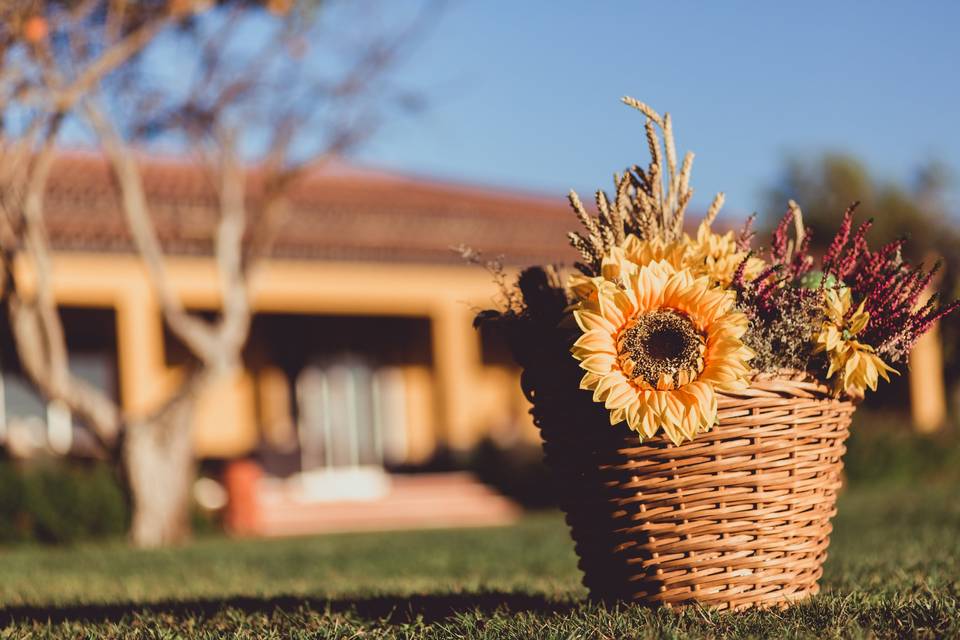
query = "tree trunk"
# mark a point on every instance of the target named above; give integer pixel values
(159, 463)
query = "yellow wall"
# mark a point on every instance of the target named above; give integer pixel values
(421, 435)
(467, 398)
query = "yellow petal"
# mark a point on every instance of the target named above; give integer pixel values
(590, 321)
(601, 363)
(596, 340)
(590, 380)
(621, 396)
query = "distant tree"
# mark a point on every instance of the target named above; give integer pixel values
(915, 207)
(824, 186)
(254, 82)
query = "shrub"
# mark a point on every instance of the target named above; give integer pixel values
(59, 502)
(884, 449)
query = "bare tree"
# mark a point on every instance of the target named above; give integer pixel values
(267, 100)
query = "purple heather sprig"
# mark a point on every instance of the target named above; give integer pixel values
(889, 287)
(793, 255)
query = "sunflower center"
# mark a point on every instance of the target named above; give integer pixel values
(666, 344)
(663, 348)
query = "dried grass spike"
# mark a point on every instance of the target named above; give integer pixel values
(798, 227)
(668, 144)
(589, 222)
(603, 204)
(643, 108)
(612, 217)
(714, 209)
(685, 170)
(685, 193)
(681, 209)
(587, 250)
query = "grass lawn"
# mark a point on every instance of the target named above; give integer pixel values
(894, 571)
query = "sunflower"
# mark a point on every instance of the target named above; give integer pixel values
(718, 256)
(678, 254)
(614, 266)
(710, 254)
(624, 260)
(856, 363)
(657, 346)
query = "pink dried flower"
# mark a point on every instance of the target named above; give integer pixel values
(889, 287)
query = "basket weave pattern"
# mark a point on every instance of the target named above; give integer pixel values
(738, 517)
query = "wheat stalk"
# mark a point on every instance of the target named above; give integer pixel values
(650, 202)
(714, 208)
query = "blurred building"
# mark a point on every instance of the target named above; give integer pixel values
(362, 355)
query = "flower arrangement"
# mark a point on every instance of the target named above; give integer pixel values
(662, 322)
(694, 391)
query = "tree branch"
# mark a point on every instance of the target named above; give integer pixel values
(235, 315)
(65, 96)
(195, 333)
(35, 322)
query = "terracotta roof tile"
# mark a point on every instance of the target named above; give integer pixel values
(340, 213)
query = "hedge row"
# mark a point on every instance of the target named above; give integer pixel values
(58, 502)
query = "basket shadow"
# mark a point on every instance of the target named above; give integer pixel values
(387, 609)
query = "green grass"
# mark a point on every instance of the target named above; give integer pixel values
(894, 571)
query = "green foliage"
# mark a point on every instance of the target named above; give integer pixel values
(58, 503)
(882, 451)
(892, 573)
(518, 472)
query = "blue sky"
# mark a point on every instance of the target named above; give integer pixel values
(526, 94)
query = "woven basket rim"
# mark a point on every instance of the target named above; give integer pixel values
(787, 383)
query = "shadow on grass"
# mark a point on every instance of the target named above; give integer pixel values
(390, 609)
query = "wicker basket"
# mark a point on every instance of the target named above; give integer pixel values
(738, 517)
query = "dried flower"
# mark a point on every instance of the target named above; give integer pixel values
(668, 320)
(854, 363)
(649, 203)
